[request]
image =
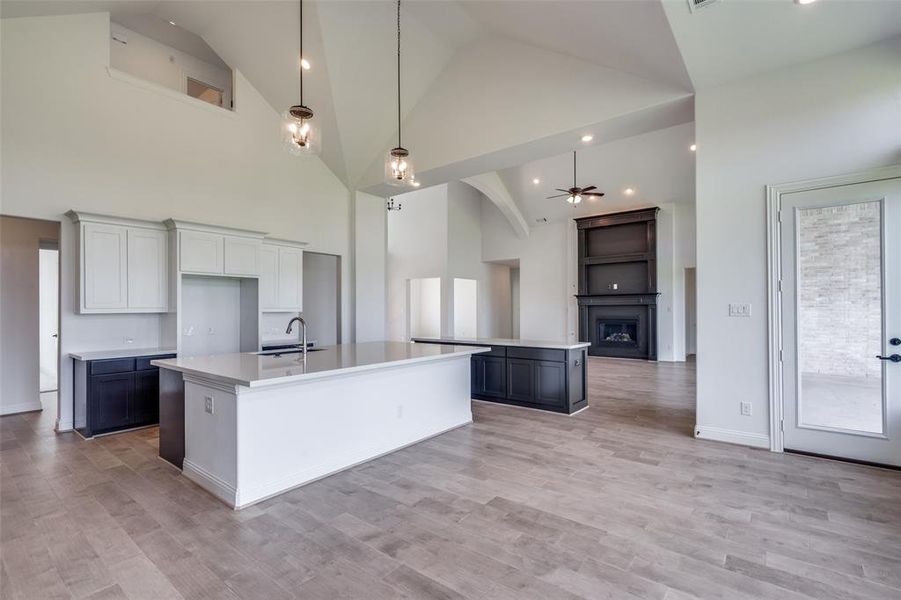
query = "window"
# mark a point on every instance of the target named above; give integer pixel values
(204, 91)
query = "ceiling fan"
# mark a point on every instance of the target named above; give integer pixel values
(575, 193)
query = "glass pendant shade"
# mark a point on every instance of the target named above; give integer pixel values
(399, 168)
(574, 199)
(299, 133)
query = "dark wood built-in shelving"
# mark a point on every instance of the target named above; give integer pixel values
(617, 273)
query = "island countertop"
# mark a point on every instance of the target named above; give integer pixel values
(483, 341)
(257, 370)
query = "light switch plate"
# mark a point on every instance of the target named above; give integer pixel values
(746, 409)
(208, 404)
(739, 310)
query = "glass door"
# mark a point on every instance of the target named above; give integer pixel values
(841, 294)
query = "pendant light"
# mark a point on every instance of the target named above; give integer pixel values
(398, 166)
(299, 133)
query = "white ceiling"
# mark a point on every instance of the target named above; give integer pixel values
(733, 39)
(174, 36)
(658, 165)
(489, 80)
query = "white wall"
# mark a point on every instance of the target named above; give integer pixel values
(675, 252)
(424, 308)
(211, 315)
(514, 302)
(837, 115)
(466, 306)
(464, 260)
(543, 272)
(181, 159)
(165, 65)
(370, 268)
(19, 311)
(417, 248)
(320, 297)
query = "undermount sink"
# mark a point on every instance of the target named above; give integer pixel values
(287, 351)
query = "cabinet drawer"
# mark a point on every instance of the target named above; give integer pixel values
(143, 363)
(537, 354)
(117, 365)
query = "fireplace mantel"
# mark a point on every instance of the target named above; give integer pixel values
(618, 283)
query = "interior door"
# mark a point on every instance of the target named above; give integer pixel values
(841, 303)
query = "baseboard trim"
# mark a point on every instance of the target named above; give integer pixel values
(214, 485)
(22, 407)
(732, 436)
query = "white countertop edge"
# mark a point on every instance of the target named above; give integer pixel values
(262, 383)
(511, 343)
(120, 353)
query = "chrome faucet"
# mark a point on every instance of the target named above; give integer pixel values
(303, 326)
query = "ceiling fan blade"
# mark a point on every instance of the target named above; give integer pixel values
(562, 190)
(598, 194)
(558, 196)
(589, 188)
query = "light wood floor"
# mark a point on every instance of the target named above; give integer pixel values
(616, 502)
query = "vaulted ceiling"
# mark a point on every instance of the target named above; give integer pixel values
(489, 85)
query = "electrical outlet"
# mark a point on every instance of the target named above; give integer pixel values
(208, 404)
(746, 409)
(129, 340)
(739, 310)
(211, 331)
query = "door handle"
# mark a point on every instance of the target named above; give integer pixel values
(893, 357)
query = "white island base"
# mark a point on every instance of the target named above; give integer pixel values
(261, 440)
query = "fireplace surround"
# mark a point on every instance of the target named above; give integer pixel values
(618, 284)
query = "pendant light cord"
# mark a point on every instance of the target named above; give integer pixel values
(300, 64)
(574, 169)
(399, 145)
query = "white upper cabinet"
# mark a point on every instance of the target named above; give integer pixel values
(212, 250)
(268, 277)
(201, 252)
(290, 278)
(242, 256)
(105, 267)
(281, 276)
(148, 276)
(123, 265)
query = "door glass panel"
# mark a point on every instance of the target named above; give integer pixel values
(840, 317)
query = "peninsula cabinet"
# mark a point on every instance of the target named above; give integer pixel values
(281, 276)
(540, 375)
(122, 265)
(212, 250)
(114, 394)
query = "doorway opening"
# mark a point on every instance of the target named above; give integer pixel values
(691, 314)
(424, 307)
(322, 297)
(48, 319)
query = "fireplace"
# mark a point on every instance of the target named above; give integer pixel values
(617, 332)
(618, 283)
(618, 326)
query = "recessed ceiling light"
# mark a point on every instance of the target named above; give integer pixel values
(415, 184)
(802, 2)
(171, 22)
(305, 64)
(587, 137)
(693, 147)
(536, 181)
(628, 191)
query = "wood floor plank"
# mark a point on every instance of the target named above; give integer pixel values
(617, 502)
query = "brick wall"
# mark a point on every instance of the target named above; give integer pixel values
(840, 290)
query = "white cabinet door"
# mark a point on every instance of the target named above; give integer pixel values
(147, 269)
(290, 279)
(200, 252)
(268, 277)
(104, 283)
(242, 256)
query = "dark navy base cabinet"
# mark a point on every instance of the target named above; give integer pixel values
(543, 378)
(116, 394)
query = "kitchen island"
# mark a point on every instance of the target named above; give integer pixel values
(258, 425)
(543, 375)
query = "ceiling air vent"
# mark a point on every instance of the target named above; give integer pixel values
(694, 5)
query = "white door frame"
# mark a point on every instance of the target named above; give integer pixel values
(774, 277)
